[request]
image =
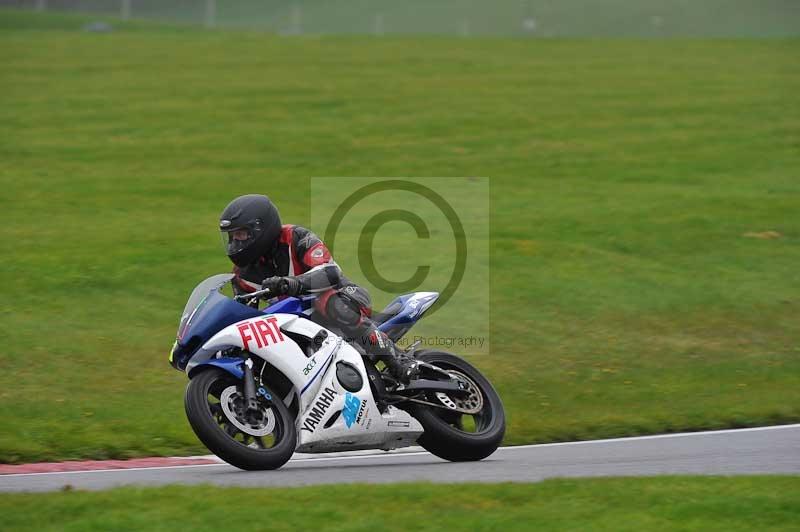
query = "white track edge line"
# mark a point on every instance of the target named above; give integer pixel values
(653, 437)
(393, 455)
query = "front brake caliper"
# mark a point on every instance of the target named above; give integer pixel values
(264, 393)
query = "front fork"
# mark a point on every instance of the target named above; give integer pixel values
(249, 385)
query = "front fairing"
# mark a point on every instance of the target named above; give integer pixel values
(197, 298)
(207, 312)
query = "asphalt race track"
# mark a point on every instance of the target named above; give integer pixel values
(766, 450)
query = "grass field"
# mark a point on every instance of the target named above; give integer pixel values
(624, 177)
(668, 503)
(564, 18)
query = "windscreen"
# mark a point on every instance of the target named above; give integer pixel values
(198, 296)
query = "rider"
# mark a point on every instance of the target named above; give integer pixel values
(290, 260)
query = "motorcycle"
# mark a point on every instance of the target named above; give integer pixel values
(266, 383)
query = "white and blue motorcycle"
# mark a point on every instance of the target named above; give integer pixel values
(266, 383)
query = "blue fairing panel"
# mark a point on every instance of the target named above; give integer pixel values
(231, 365)
(212, 315)
(291, 305)
(216, 312)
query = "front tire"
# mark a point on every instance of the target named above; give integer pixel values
(211, 406)
(448, 434)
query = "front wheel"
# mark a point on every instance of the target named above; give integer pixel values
(252, 440)
(465, 428)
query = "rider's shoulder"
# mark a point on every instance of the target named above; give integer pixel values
(287, 234)
(302, 235)
(309, 247)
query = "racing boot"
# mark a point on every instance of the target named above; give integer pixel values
(401, 365)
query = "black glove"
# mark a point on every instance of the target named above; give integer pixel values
(281, 286)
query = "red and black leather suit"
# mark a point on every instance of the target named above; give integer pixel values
(341, 304)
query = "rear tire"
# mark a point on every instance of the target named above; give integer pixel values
(207, 420)
(444, 432)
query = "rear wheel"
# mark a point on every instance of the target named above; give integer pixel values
(466, 428)
(256, 439)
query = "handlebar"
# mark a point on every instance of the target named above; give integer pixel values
(252, 295)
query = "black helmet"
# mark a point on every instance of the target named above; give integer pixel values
(250, 226)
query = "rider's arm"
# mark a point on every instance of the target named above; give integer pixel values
(322, 272)
(319, 279)
(315, 280)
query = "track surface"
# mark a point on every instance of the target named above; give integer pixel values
(747, 451)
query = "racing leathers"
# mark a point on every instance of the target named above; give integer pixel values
(299, 263)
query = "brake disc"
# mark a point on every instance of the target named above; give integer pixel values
(472, 403)
(232, 403)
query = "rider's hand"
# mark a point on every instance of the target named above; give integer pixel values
(281, 286)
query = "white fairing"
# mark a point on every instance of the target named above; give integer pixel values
(330, 417)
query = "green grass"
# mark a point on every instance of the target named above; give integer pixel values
(13, 19)
(564, 18)
(624, 174)
(667, 503)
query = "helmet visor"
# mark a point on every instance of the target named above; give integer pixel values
(238, 239)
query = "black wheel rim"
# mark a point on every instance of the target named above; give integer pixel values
(470, 424)
(263, 443)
